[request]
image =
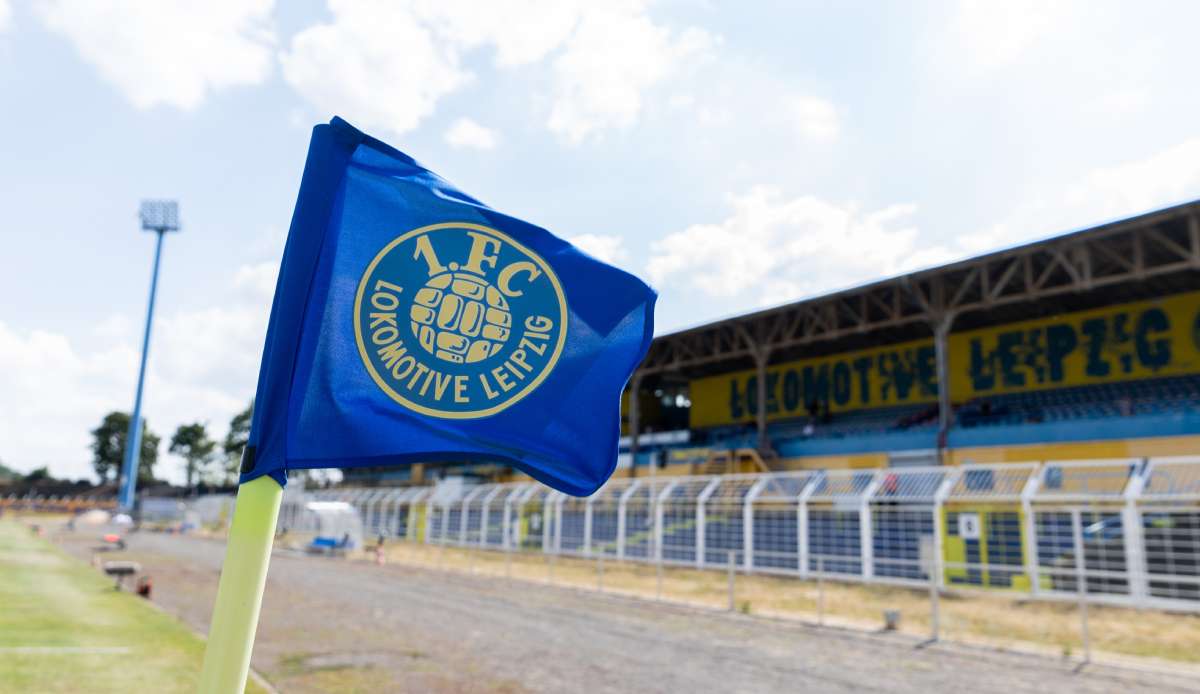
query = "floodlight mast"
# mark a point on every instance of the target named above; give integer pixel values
(159, 216)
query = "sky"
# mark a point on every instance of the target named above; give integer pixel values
(735, 154)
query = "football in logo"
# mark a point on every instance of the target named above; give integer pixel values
(458, 320)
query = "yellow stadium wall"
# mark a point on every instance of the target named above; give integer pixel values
(678, 470)
(1077, 450)
(852, 461)
(1074, 450)
(1125, 342)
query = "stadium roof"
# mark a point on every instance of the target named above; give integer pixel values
(1152, 254)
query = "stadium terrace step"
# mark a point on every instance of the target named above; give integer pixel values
(1078, 413)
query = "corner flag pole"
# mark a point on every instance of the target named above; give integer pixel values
(239, 594)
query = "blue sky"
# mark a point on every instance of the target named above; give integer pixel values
(737, 155)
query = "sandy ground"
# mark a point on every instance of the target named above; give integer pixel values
(1119, 635)
(343, 626)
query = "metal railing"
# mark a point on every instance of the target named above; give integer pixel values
(1123, 531)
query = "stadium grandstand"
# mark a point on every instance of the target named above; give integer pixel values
(1026, 420)
(1084, 345)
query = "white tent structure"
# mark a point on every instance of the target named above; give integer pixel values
(333, 524)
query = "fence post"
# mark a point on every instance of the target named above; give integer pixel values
(748, 521)
(658, 579)
(1133, 533)
(483, 517)
(658, 517)
(732, 561)
(866, 540)
(935, 606)
(1029, 530)
(657, 535)
(701, 522)
(802, 537)
(939, 528)
(587, 526)
(464, 515)
(622, 520)
(412, 512)
(506, 522)
(1081, 584)
(937, 577)
(445, 531)
(429, 511)
(810, 486)
(551, 522)
(485, 514)
(820, 591)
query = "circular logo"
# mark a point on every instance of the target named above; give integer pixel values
(458, 320)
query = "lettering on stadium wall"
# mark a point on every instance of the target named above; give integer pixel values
(1125, 342)
(892, 376)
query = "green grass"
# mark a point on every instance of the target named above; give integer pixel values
(49, 601)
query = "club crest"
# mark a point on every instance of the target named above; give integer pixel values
(458, 320)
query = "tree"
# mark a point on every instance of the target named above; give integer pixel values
(7, 474)
(191, 443)
(108, 448)
(236, 440)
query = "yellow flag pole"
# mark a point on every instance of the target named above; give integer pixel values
(239, 594)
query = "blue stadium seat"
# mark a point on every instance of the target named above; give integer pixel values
(1078, 403)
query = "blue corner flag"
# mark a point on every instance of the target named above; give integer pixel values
(412, 323)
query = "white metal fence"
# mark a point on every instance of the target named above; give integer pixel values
(1123, 531)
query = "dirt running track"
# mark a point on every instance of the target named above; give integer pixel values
(331, 625)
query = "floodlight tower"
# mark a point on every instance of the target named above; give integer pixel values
(159, 216)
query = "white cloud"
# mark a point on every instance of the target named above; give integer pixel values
(1168, 176)
(522, 31)
(465, 132)
(171, 52)
(1058, 55)
(999, 34)
(203, 366)
(1121, 101)
(616, 54)
(253, 282)
(610, 249)
(375, 64)
(774, 249)
(53, 395)
(816, 118)
(388, 64)
(114, 327)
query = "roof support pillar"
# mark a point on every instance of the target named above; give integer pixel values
(1194, 237)
(761, 356)
(941, 342)
(635, 388)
